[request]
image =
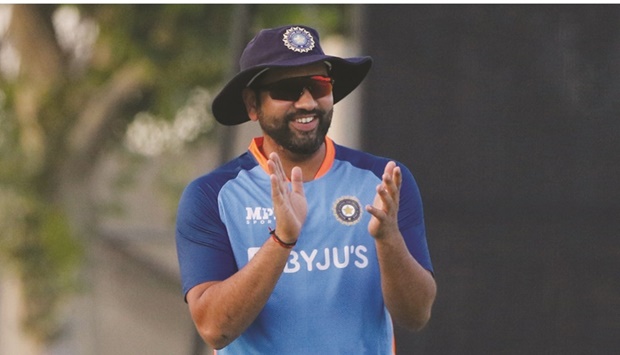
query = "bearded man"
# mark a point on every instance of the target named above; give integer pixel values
(301, 245)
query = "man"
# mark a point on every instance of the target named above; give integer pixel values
(301, 246)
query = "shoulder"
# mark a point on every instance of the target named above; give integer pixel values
(366, 161)
(210, 184)
(215, 179)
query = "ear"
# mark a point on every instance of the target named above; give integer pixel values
(250, 101)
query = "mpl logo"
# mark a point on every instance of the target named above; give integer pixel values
(262, 215)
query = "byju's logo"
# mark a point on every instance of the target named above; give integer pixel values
(262, 215)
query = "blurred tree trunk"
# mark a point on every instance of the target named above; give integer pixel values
(41, 69)
(12, 339)
(238, 39)
(31, 31)
(55, 172)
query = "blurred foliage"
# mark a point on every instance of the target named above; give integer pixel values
(183, 42)
(327, 19)
(158, 54)
(38, 245)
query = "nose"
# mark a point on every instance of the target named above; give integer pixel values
(306, 100)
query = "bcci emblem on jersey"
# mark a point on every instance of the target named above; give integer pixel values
(347, 210)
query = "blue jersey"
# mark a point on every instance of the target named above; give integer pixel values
(328, 300)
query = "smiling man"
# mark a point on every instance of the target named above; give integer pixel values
(300, 245)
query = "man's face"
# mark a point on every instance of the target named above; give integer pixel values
(298, 123)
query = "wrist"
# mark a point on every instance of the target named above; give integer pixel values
(282, 243)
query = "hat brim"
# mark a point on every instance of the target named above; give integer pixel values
(229, 109)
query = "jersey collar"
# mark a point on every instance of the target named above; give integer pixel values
(330, 155)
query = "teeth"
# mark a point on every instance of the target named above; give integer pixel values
(305, 119)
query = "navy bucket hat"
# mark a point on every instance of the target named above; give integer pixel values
(286, 46)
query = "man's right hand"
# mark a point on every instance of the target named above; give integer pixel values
(289, 204)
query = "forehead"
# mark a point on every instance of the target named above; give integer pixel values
(275, 74)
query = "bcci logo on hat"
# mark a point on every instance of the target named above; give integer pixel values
(298, 39)
(347, 210)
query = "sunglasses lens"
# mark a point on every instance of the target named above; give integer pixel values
(286, 90)
(292, 89)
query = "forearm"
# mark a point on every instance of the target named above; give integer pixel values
(223, 310)
(408, 289)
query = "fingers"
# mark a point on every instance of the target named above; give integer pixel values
(393, 174)
(378, 208)
(388, 192)
(276, 189)
(275, 166)
(390, 184)
(384, 209)
(279, 179)
(297, 184)
(398, 177)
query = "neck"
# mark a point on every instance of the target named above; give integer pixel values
(309, 164)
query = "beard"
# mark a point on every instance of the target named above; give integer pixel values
(297, 142)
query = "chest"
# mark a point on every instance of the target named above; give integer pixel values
(335, 229)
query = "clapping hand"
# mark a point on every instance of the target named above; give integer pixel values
(289, 203)
(384, 210)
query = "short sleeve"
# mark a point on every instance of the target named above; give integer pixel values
(203, 246)
(411, 220)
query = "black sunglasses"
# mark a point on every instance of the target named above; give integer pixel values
(291, 89)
